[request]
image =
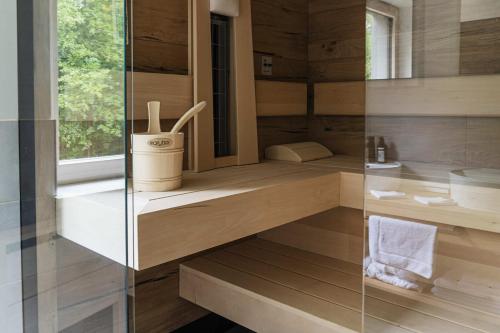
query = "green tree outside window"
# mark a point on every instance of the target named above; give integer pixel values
(91, 78)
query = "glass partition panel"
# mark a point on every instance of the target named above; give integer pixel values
(63, 225)
(11, 306)
(432, 169)
(274, 221)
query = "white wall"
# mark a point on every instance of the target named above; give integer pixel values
(8, 60)
(473, 10)
(10, 257)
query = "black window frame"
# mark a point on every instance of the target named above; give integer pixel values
(221, 64)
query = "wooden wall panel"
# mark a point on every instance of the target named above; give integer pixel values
(157, 305)
(160, 36)
(339, 98)
(483, 138)
(440, 140)
(175, 92)
(336, 40)
(280, 31)
(280, 130)
(344, 135)
(459, 141)
(337, 233)
(480, 47)
(442, 96)
(337, 54)
(436, 38)
(86, 283)
(281, 98)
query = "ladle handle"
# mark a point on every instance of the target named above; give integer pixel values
(154, 117)
(188, 115)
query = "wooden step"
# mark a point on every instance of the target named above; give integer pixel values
(269, 287)
(259, 304)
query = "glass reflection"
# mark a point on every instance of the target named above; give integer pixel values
(438, 130)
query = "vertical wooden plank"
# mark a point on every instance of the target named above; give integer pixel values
(190, 126)
(246, 114)
(202, 68)
(45, 104)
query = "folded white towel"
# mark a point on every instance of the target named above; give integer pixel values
(403, 244)
(384, 195)
(434, 201)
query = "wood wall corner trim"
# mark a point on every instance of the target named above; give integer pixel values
(204, 158)
(246, 114)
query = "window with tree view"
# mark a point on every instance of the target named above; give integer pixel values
(379, 46)
(91, 78)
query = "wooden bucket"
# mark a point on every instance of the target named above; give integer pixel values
(157, 161)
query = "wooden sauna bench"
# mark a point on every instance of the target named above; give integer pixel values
(269, 287)
(223, 205)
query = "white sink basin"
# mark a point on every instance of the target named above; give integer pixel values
(477, 189)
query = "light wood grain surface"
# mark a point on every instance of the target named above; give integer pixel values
(280, 130)
(281, 98)
(447, 96)
(174, 92)
(218, 207)
(449, 215)
(337, 233)
(244, 86)
(203, 142)
(339, 98)
(263, 277)
(336, 40)
(480, 46)
(173, 227)
(158, 36)
(280, 31)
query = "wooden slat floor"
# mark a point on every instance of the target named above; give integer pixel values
(269, 287)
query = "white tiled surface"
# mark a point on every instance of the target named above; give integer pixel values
(10, 269)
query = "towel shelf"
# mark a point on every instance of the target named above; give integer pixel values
(454, 216)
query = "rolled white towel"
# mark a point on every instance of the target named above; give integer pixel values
(391, 275)
(384, 195)
(434, 201)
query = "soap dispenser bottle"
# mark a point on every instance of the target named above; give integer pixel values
(381, 151)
